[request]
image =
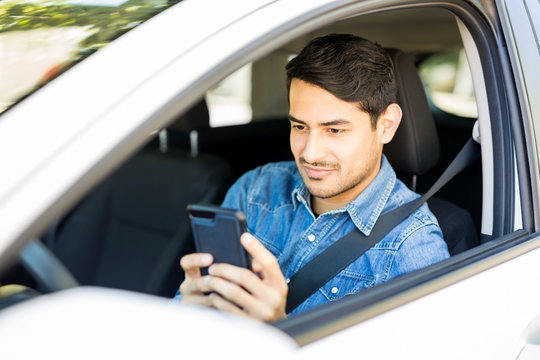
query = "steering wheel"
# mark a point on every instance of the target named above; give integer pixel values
(48, 271)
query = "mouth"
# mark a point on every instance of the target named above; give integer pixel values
(317, 173)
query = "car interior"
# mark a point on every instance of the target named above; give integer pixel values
(131, 230)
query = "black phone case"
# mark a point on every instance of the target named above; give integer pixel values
(217, 231)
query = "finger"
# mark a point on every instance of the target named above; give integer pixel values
(234, 284)
(246, 290)
(240, 285)
(192, 263)
(203, 300)
(269, 267)
(256, 267)
(220, 303)
(256, 309)
(233, 298)
(196, 285)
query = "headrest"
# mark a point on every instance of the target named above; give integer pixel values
(415, 147)
(196, 118)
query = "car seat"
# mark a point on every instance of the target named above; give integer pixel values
(131, 231)
(415, 150)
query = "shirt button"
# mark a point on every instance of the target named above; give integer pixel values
(334, 290)
(311, 237)
(287, 280)
(298, 197)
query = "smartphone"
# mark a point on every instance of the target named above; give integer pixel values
(217, 231)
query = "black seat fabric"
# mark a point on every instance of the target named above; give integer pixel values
(265, 141)
(415, 150)
(131, 231)
(415, 147)
(457, 225)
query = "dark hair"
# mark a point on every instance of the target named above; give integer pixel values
(351, 68)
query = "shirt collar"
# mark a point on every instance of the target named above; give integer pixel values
(300, 194)
(367, 207)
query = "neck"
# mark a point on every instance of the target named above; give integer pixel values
(323, 205)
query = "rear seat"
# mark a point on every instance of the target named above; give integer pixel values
(244, 146)
(131, 231)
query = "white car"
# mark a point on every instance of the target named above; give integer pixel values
(115, 114)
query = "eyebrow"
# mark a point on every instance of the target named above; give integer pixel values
(326, 123)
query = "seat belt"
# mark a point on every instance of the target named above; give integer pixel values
(346, 250)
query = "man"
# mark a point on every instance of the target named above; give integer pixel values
(343, 109)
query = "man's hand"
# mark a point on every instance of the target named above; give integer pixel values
(261, 294)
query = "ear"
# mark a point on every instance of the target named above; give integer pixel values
(388, 122)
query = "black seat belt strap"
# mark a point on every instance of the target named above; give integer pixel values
(346, 250)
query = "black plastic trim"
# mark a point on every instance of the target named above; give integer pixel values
(519, 137)
(503, 164)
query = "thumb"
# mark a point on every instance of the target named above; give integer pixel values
(264, 261)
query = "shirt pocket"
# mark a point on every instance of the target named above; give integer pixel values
(345, 283)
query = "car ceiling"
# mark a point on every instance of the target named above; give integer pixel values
(412, 30)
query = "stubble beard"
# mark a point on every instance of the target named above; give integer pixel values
(345, 182)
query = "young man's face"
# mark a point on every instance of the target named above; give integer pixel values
(336, 150)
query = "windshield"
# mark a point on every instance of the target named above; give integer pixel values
(40, 39)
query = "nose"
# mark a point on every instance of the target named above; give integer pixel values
(314, 148)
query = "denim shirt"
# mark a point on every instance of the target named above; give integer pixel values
(278, 212)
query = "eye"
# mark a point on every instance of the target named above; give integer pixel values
(298, 127)
(335, 131)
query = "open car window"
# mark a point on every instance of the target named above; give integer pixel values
(448, 81)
